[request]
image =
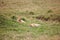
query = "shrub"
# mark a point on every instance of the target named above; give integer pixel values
(41, 17)
(23, 19)
(14, 17)
(31, 13)
(49, 11)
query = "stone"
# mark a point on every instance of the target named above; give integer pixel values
(34, 25)
(22, 21)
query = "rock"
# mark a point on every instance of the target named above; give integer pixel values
(22, 21)
(34, 25)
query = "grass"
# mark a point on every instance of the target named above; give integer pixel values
(10, 27)
(46, 13)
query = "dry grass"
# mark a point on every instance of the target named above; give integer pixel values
(10, 29)
(27, 36)
(31, 5)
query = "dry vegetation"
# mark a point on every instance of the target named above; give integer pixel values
(18, 19)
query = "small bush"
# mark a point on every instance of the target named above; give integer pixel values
(31, 13)
(13, 17)
(23, 19)
(41, 17)
(49, 11)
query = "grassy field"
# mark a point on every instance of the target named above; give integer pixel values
(10, 29)
(45, 13)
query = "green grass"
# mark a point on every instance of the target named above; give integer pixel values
(10, 10)
(9, 25)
